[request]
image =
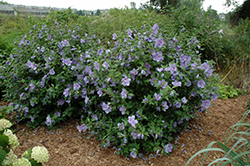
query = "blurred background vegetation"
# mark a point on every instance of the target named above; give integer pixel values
(225, 38)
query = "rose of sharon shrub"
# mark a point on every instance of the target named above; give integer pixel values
(43, 69)
(148, 84)
(133, 92)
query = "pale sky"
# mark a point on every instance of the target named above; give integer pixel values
(105, 4)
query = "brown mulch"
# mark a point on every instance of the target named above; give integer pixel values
(68, 147)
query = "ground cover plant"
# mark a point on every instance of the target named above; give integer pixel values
(133, 91)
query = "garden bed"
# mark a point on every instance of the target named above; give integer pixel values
(69, 147)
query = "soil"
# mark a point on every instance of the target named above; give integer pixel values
(68, 147)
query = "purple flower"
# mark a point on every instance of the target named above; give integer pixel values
(77, 86)
(82, 41)
(49, 121)
(125, 81)
(105, 65)
(214, 96)
(130, 32)
(157, 96)
(133, 154)
(206, 104)
(132, 121)
(157, 56)
(176, 83)
(201, 84)
(57, 113)
(66, 92)
(165, 105)
(97, 66)
(100, 51)
(124, 94)
(95, 117)
(123, 110)
(60, 102)
(51, 72)
(114, 36)
(159, 42)
(66, 61)
(178, 104)
(133, 73)
(168, 148)
(120, 126)
(99, 92)
(81, 128)
(106, 107)
(155, 28)
(32, 87)
(188, 83)
(135, 134)
(184, 100)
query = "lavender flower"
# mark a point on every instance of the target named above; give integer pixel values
(60, 102)
(157, 96)
(132, 121)
(206, 104)
(168, 148)
(106, 107)
(125, 81)
(201, 84)
(57, 113)
(99, 92)
(157, 56)
(51, 72)
(114, 36)
(133, 154)
(105, 65)
(184, 100)
(159, 42)
(81, 128)
(49, 121)
(176, 83)
(120, 126)
(124, 94)
(123, 110)
(77, 86)
(96, 64)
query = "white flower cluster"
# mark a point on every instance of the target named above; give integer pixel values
(12, 138)
(4, 124)
(10, 159)
(40, 154)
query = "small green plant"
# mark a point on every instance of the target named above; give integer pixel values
(9, 141)
(239, 154)
(226, 91)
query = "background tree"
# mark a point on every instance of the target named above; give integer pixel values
(132, 4)
(98, 12)
(240, 12)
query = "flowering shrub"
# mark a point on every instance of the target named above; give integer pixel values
(9, 141)
(133, 92)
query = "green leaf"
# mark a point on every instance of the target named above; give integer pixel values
(231, 153)
(2, 156)
(34, 163)
(4, 141)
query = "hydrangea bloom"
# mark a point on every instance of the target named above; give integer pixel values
(4, 124)
(12, 138)
(10, 158)
(40, 154)
(22, 161)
